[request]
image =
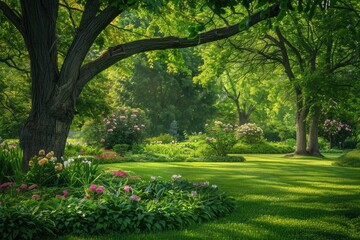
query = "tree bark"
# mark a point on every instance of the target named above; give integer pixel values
(301, 113)
(313, 143)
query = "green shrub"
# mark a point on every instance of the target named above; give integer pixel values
(265, 148)
(172, 150)
(349, 159)
(10, 162)
(121, 148)
(162, 138)
(224, 159)
(74, 150)
(25, 222)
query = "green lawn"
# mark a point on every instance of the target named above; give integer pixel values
(277, 198)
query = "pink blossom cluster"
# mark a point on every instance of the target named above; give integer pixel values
(333, 127)
(119, 173)
(98, 189)
(6, 185)
(249, 129)
(127, 188)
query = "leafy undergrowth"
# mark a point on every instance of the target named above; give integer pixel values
(117, 202)
(349, 159)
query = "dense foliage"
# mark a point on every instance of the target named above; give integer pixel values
(117, 201)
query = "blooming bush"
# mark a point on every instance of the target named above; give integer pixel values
(220, 138)
(117, 201)
(336, 131)
(45, 170)
(124, 127)
(249, 133)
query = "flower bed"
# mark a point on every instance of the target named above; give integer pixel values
(115, 201)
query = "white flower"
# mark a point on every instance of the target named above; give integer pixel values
(214, 186)
(175, 177)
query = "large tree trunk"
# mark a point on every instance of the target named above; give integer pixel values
(44, 131)
(45, 128)
(313, 143)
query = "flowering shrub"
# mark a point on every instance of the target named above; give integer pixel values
(220, 138)
(45, 170)
(336, 131)
(249, 133)
(124, 127)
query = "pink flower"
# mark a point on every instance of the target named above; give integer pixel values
(100, 189)
(33, 186)
(36, 196)
(135, 198)
(6, 184)
(66, 194)
(122, 117)
(119, 173)
(110, 130)
(92, 187)
(127, 188)
(58, 196)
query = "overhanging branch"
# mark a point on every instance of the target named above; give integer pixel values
(12, 17)
(117, 53)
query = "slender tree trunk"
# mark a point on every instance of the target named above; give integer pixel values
(313, 143)
(301, 114)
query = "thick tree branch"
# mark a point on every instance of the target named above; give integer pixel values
(117, 53)
(12, 17)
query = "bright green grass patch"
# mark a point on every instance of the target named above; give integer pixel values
(277, 198)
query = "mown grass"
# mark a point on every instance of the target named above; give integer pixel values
(277, 198)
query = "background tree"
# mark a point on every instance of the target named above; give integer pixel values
(168, 96)
(311, 50)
